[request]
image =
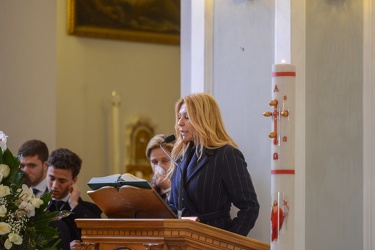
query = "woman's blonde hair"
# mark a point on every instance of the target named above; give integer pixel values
(155, 143)
(204, 115)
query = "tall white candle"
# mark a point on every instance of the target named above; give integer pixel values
(283, 157)
(115, 132)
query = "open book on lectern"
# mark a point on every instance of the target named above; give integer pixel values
(118, 180)
(127, 196)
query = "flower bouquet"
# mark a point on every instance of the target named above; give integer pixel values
(24, 220)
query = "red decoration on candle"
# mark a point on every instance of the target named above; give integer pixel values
(283, 171)
(283, 74)
(275, 156)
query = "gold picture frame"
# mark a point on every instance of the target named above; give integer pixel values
(153, 21)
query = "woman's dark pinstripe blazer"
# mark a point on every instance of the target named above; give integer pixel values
(212, 184)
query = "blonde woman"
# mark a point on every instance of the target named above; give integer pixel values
(214, 171)
(160, 164)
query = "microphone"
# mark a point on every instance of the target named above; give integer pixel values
(169, 139)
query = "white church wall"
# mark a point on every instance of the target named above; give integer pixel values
(334, 32)
(242, 59)
(57, 88)
(146, 76)
(332, 88)
(28, 71)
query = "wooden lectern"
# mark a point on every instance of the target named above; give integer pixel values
(130, 202)
(138, 219)
(160, 234)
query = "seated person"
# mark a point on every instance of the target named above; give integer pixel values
(33, 155)
(160, 163)
(63, 169)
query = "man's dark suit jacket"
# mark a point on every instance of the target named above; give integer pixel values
(212, 184)
(84, 209)
(64, 236)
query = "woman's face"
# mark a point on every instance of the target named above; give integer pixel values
(159, 159)
(186, 129)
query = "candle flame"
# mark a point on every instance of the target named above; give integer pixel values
(283, 61)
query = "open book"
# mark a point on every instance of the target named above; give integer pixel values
(117, 181)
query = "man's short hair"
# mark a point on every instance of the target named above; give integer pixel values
(63, 158)
(32, 148)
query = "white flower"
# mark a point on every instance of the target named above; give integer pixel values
(36, 202)
(30, 213)
(27, 208)
(27, 192)
(27, 202)
(3, 141)
(3, 210)
(15, 238)
(4, 171)
(25, 196)
(8, 244)
(4, 190)
(4, 228)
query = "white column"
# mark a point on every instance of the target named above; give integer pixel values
(283, 31)
(196, 45)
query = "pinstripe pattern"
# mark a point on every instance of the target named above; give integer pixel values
(219, 179)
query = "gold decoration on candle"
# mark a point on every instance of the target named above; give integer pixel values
(284, 113)
(272, 135)
(273, 102)
(267, 113)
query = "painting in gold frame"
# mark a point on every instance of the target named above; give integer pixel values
(154, 21)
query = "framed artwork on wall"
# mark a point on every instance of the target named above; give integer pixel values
(153, 21)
